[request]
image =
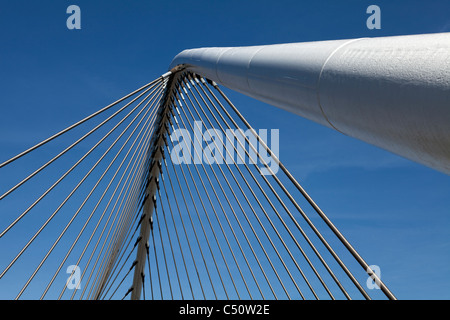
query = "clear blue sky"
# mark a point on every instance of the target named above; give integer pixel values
(395, 212)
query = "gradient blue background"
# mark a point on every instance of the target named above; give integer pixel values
(395, 212)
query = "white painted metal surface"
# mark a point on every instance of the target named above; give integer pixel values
(392, 92)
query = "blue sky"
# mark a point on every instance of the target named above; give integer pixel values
(395, 212)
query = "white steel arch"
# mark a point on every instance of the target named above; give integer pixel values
(392, 92)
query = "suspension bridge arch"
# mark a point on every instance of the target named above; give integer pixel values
(134, 223)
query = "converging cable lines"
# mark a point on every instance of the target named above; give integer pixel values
(173, 195)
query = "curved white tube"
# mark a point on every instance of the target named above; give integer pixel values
(392, 92)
